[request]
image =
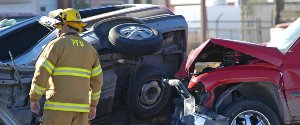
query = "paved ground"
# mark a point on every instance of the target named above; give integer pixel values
(122, 117)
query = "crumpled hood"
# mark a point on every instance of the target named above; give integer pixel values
(269, 54)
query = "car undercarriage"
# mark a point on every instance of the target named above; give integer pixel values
(132, 76)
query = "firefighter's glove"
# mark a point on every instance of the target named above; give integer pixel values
(92, 113)
(35, 106)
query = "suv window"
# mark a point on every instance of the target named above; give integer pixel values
(21, 39)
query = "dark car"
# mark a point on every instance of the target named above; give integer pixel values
(138, 45)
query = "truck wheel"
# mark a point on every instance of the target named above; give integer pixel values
(149, 96)
(248, 112)
(137, 39)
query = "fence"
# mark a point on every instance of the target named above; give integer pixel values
(251, 30)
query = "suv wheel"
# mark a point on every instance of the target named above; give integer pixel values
(133, 38)
(248, 112)
(149, 96)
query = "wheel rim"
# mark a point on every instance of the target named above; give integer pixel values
(136, 32)
(150, 94)
(250, 117)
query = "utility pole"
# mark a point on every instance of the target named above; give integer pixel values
(168, 4)
(137, 1)
(64, 4)
(279, 6)
(203, 21)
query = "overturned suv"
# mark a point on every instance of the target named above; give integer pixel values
(241, 83)
(138, 45)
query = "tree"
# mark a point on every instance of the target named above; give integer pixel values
(203, 21)
(279, 6)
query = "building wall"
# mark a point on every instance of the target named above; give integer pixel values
(22, 6)
(64, 3)
(47, 5)
(36, 7)
(96, 3)
(223, 22)
(156, 2)
(260, 18)
(263, 11)
(2, 2)
(291, 11)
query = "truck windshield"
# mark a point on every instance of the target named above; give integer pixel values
(287, 38)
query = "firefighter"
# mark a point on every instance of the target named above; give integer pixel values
(68, 72)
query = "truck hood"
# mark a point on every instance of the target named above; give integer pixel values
(268, 54)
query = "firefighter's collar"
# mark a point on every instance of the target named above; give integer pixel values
(70, 33)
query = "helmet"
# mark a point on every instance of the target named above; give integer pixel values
(69, 16)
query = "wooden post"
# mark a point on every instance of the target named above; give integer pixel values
(168, 4)
(137, 1)
(62, 4)
(203, 21)
(279, 6)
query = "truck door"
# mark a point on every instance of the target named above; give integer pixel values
(291, 79)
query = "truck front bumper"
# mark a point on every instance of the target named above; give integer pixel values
(202, 116)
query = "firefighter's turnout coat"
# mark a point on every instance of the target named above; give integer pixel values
(69, 72)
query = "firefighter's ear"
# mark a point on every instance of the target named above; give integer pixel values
(59, 26)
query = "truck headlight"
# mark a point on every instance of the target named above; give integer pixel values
(189, 106)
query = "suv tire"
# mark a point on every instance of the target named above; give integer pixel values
(149, 97)
(137, 39)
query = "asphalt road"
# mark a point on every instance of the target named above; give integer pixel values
(122, 117)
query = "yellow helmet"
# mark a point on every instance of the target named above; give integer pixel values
(70, 16)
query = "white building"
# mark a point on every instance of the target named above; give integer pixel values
(17, 6)
(26, 7)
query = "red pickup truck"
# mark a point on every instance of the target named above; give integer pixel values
(252, 83)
